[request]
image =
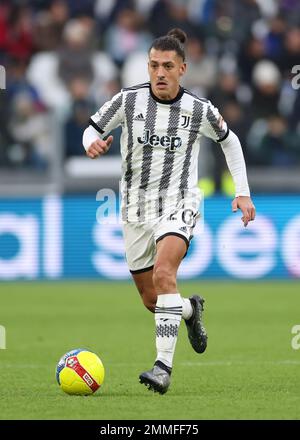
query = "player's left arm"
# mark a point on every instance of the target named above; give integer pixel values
(245, 204)
(233, 152)
(216, 128)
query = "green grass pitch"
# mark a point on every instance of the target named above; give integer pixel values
(249, 371)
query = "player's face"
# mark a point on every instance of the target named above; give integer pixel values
(165, 70)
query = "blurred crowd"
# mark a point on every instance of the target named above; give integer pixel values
(65, 58)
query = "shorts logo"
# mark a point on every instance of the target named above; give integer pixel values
(186, 121)
(170, 142)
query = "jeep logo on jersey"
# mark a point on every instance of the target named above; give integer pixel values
(170, 142)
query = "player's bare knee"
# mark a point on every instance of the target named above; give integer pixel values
(164, 278)
(148, 297)
(149, 304)
(149, 300)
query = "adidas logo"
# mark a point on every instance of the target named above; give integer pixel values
(183, 229)
(139, 117)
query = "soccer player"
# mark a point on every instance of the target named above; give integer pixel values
(162, 124)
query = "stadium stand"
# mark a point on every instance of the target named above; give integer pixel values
(64, 59)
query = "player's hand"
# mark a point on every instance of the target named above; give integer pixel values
(99, 147)
(245, 204)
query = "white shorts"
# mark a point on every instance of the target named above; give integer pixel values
(141, 238)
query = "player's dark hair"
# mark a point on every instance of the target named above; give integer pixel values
(174, 40)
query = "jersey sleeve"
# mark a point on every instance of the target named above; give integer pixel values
(213, 125)
(109, 116)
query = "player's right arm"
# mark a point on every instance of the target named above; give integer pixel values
(94, 145)
(108, 117)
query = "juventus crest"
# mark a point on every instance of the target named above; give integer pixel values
(185, 122)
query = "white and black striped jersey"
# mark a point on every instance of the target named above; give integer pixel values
(160, 145)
